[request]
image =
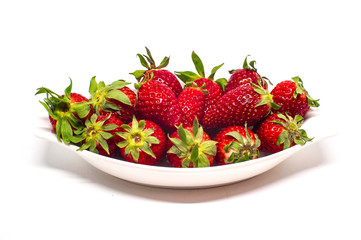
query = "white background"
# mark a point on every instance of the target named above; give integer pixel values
(49, 193)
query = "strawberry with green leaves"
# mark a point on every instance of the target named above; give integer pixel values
(114, 97)
(191, 147)
(293, 97)
(98, 134)
(247, 74)
(236, 144)
(214, 87)
(142, 142)
(278, 132)
(248, 103)
(66, 112)
(157, 72)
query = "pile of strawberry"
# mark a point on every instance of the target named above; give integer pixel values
(200, 123)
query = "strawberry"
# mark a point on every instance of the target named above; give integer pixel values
(191, 147)
(115, 97)
(158, 103)
(278, 132)
(293, 97)
(236, 144)
(66, 112)
(156, 72)
(143, 142)
(213, 87)
(247, 74)
(98, 134)
(248, 103)
(192, 103)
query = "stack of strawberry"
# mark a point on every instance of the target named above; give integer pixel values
(240, 115)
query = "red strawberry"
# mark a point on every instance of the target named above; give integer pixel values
(66, 112)
(214, 88)
(158, 103)
(157, 73)
(98, 134)
(115, 97)
(248, 103)
(278, 132)
(191, 102)
(236, 144)
(191, 147)
(142, 142)
(246, 75)
(293, 97)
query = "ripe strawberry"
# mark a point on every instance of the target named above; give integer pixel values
(236, 144)
(158, 103)
(98, 134)
(192, 103)
(115, 97)
(293, 97)
(142, 142)
(248, 103)
(66, 112)
(214, 87)
(191, 147)
(278, 132)
(157, 73)
(246, 75)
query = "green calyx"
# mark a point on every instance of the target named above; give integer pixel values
(242, 149)
(62, 110)
(188, 76)
(101, 94)
(94, 133)
(293, 132)
(148, 62)
(266, 96)
(301, 90)
(137, 139)
(190, 147)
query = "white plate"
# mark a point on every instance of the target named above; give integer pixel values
(169, 177)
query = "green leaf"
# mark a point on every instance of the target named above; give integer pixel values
(135, 154)
(103, 143)
(198, 64)
(106, 135)
(138, 74)
(164, 63)
(245, 63)
(151, 60)
(187, 76)
(123, 144)
(81, 108)
(180, 144)
(93, 87)
(118, 84)
(68, 89)
(143, 61)
(182, 134)
(110, 127)
(77, 139)
(151, 140)
(66, 131)
(222, 82)
(174, 150)
(194, 155)
(195, 127)
(237, 136)
(145, 148)
(119, 96)
(214, 70)
(203, 161)
(209, 147)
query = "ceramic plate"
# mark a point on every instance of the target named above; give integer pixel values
(168, 177)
